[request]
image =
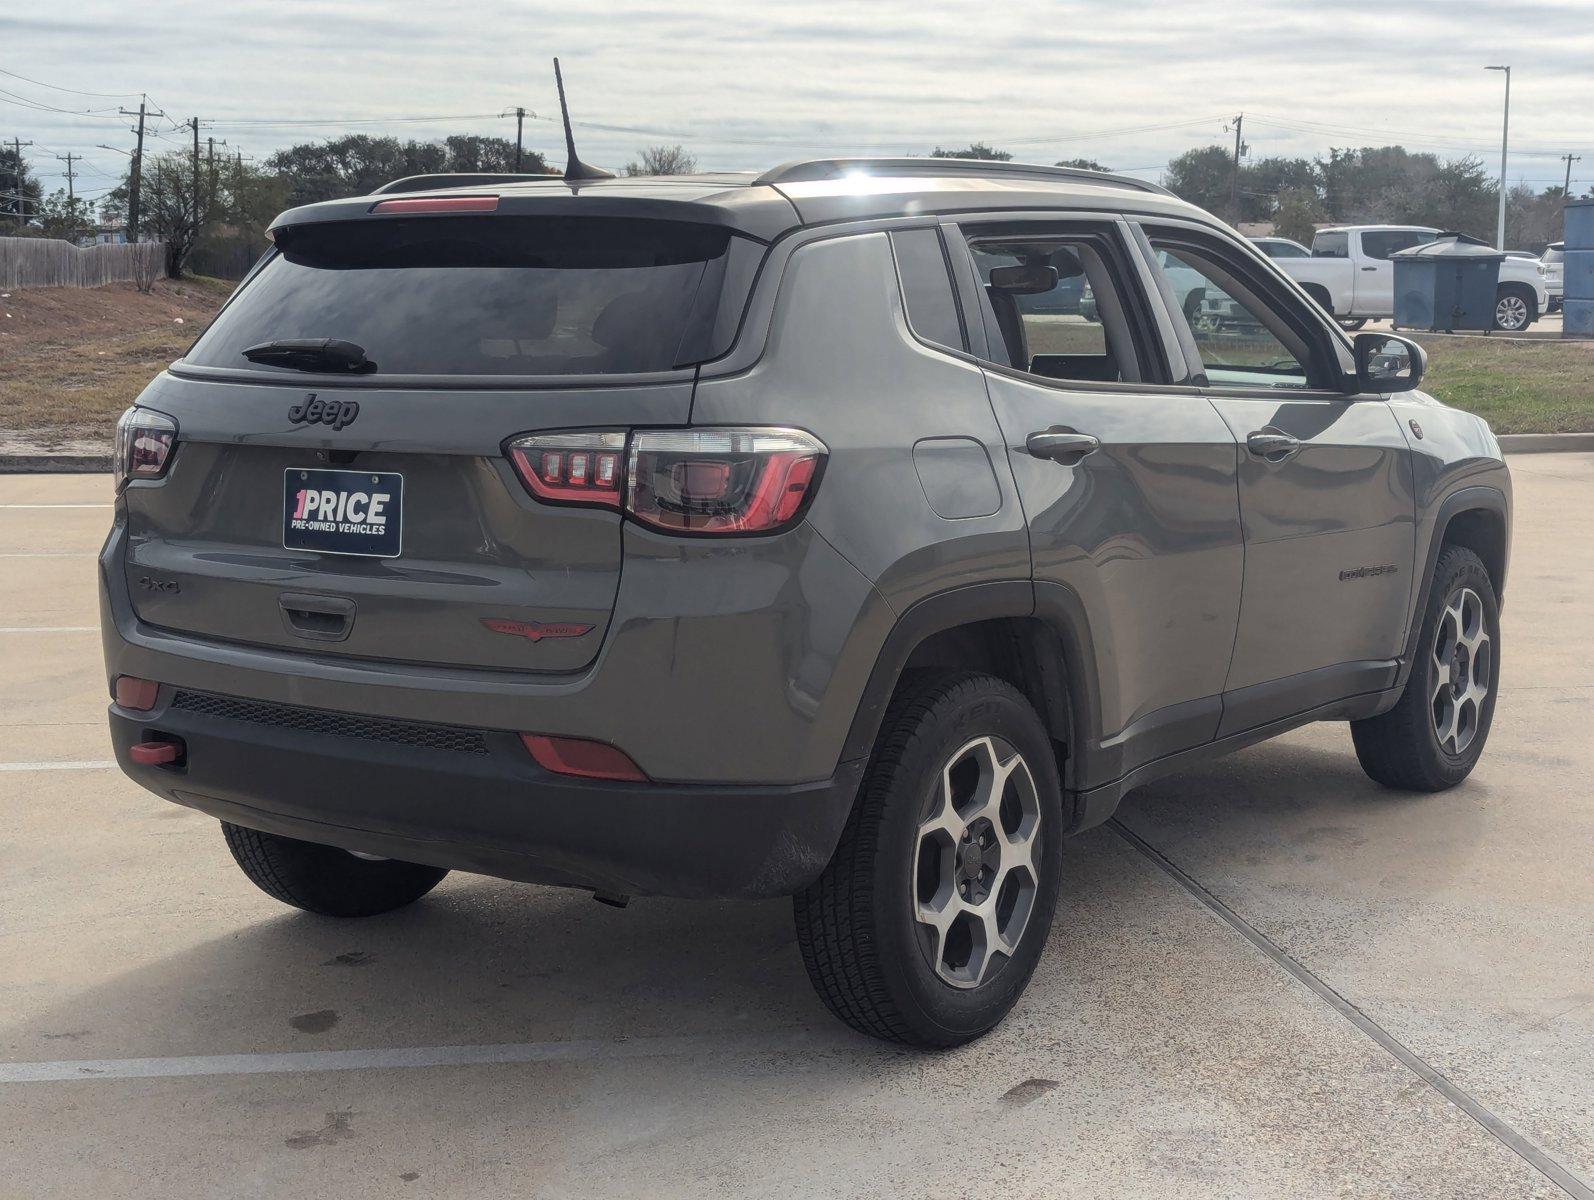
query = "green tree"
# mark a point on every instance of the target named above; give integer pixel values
(978, 150)
(1084, 164)
(61, 217)
(9, 159)
(1202, 176)
(1298, 214)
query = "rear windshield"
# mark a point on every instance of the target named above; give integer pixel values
(495, 295)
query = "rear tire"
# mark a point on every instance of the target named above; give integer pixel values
(324, 879)
(1515, 308)
(1433, 736)
(929, 920)
(1350, 324)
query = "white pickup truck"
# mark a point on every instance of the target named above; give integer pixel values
(1349, 273)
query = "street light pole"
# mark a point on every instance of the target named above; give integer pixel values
(1505, 137)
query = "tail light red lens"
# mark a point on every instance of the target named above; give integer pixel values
(581, 757)
(708, 482)
(438, 204)
(722, 481)
(144, 443)
(135, 693)
(572, 468)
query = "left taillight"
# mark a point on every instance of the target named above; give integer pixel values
(145, 440)
(698, 482)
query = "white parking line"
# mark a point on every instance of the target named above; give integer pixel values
(49, 554)
(618, 1050)
(55, 506)
(86, 764)
(49, 628)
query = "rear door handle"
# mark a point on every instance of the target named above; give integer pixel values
(1061, 446)
(1369, 268)
(1271, 444)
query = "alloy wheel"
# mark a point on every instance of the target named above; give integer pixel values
(1511, 312)
(1463, 666)
(977, 858)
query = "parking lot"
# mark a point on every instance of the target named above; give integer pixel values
(1269, 979)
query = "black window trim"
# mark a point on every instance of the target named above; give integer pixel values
(1122, 260)
(1271, 285)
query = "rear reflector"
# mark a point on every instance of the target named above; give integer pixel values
(438, 204)
(135, 693)
(578, 756)
(155, 754)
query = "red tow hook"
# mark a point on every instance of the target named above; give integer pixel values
(155, 754)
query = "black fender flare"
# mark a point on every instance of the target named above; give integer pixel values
(1475, 498)
(1057, 609)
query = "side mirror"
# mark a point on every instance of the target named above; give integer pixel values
(1386, 363)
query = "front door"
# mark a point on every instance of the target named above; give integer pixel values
(1325, 497)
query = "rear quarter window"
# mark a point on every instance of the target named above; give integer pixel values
(496, 295)
(927, 287)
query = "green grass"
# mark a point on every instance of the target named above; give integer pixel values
(1517, 386)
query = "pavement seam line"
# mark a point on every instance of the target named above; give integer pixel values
(1522, 1146)
(800, 1041)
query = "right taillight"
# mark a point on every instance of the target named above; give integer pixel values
(144, 442)
(703, 482)
(722, 481)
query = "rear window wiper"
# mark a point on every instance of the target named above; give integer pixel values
(312, 354)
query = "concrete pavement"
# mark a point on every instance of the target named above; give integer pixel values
(192, 1038)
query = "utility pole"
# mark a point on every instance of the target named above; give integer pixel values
(1505, 137)
(16, 149)
(520, 118)
(1566, 188)
(210, 199)
(194, 121)
(135, 177)
(1234, 181)
(71, 177)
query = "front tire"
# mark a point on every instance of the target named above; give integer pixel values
(324, 879)
(929, 920)
(1434, 735)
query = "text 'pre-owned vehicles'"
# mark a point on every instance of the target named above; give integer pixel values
(801, 534)
(1350, 273)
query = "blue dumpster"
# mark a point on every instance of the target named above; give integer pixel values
(1577, 319)
(1447, 284)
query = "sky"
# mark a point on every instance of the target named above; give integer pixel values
(1130, 83)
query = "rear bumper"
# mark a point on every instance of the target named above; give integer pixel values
(487, 807)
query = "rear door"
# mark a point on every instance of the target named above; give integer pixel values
(377, 514)
(1375, 272)
(1127, 477)
(1325, 494)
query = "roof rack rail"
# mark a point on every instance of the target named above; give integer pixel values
(425, 183)
(814, 169)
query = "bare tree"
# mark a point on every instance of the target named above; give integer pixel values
(662, 160)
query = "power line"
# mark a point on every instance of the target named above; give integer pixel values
(75, 91)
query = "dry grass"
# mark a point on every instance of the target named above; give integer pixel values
(1517, 386)
(71, 359)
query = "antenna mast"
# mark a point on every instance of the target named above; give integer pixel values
(575, 169)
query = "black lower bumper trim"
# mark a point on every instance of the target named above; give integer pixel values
(496, 813)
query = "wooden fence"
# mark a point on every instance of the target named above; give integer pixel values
(45, 262)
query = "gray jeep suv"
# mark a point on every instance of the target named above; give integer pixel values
(725, 536)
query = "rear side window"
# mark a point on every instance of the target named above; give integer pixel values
(499, 295)
(927, 287)
(1381, 243)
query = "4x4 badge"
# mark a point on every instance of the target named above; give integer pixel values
(336, 413)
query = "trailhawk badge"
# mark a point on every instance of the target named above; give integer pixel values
(343, 512)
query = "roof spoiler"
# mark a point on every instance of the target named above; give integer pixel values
(427, 183)
(815, 169)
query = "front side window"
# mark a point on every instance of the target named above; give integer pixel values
(494, 295)
(1054, 306)
(1242, 339)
